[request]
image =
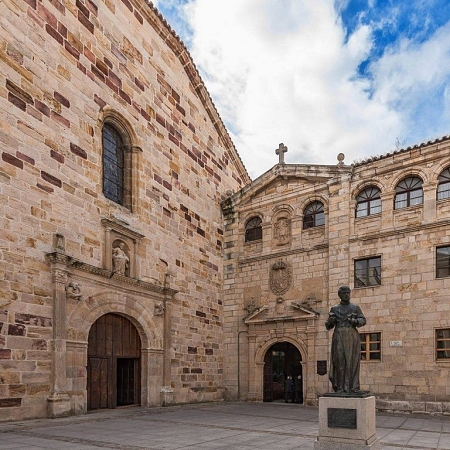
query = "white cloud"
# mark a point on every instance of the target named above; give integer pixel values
(283, 74)
(281, 71)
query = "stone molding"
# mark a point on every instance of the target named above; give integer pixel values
(70, 262)
(280, 254)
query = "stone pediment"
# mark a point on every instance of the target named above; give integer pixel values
(294, 312)
(302, 175)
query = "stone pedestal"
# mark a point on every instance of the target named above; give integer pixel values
(166, 395)
(347, 424)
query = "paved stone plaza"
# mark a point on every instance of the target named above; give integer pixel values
(233, 426)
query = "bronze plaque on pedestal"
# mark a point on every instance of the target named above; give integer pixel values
(341, 418)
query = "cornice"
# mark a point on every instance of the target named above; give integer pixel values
(404, 230)
(69, 262)
(122, 228)
(280, 254)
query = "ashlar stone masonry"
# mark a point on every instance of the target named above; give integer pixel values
(150, 264)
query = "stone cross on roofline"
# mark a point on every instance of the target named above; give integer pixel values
(280, 151)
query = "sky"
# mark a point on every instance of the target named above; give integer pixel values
(358, 77)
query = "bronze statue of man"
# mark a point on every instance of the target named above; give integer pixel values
(345, 317)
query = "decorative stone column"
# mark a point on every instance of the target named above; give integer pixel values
(59, 400)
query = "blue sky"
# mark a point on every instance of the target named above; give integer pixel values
(361, 77)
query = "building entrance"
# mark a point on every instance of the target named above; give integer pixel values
(281, 360)
(113, 371)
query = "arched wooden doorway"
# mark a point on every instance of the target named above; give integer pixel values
(281, 359)
(113, 370)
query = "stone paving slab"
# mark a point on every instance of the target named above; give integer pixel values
(215, 426)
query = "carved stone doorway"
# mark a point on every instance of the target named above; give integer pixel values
(113, 370)
(281, 359)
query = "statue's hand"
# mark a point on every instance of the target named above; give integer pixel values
(331, 322)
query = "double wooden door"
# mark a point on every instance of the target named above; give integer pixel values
(113, 371)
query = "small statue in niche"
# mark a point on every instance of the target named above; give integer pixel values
(73, 290)
(159, 309)
(121, 261)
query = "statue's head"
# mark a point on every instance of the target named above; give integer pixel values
(344, 294)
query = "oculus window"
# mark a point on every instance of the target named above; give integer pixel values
(368, 272)
(408, 193)
(368, 202)
(253, 229)
(313, 215)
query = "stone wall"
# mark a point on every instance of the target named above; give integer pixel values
(407, 307)
(66, 67)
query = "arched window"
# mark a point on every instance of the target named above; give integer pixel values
(443, 190)
(253, 229)
(368, 202)
(116, 167)
(313, 215)
(408, 193)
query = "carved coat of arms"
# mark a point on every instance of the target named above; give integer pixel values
(280, 278)
(282, 231)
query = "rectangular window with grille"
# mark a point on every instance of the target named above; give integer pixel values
(443, 344)
(368, 272)
(370, 346)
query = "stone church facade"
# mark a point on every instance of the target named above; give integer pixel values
(113, 165)
(298, 232)
(139, 264)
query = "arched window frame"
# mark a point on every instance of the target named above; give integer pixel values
(408, 192)
(368, 202)
(117, 163)
(253, 229)
(313, 215)
(443, 189)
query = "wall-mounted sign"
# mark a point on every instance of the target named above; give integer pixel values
(321, 367)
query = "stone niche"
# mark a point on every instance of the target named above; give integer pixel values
(121, 248)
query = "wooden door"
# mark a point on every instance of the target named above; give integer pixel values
(113, 375)
(98, 376)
